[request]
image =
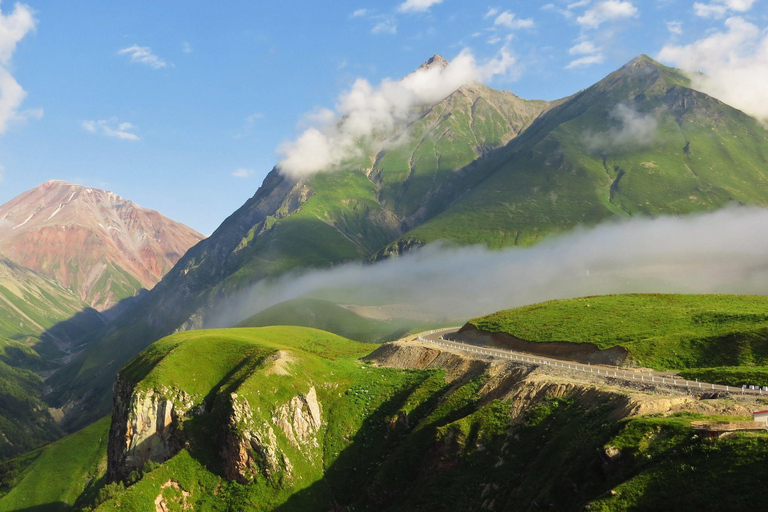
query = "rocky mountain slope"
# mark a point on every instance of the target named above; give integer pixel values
(481, 166)
(101, 246)
(287, 418)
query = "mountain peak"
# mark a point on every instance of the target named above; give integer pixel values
(92, 241)
(436, 60)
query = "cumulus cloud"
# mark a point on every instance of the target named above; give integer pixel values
(14, 26)
(366, 114)
(719, 8)
(731, 65)
(633, 129)
(143, 55)
(112, 128)
(607, 10)
(417, 5)
(243, 173)
(509, 20)
(710, 253)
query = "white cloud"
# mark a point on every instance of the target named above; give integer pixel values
(366, 113)
(417, 5)
(719, 8)
(492, 11)
(358, 13)
(243, 173)
(143, 55)
(186, 47)
(592, 54)
(634, 130)
(386, 25)
(13, 28)
(112, 128)
(675, 27)
(589, 60)
(734, 64)
(711, 253)
(509, 20)
(607, 10)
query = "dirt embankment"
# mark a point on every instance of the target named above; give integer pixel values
(527, 384)
(579, 352)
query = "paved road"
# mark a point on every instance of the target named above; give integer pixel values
(438, 337)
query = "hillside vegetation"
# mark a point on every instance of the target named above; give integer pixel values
(659, 331)
(481, 166)
(289, 419)
(331, 317)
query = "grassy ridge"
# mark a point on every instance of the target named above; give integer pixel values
(328, 316)
(658, 331)
(53, 477)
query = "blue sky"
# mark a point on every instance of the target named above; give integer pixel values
(180, 105)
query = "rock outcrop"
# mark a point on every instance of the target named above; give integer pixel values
(146, 426)
(251, 444)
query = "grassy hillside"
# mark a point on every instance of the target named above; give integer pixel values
(658, 331)
(328, 316)
(323, 220)
(389, 439)
(31, 306)
(53, 477)
(542, 169)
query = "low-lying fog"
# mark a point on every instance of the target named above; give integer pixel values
(721, 252)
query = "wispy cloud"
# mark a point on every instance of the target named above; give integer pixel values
(607, 10)
(509, 20)
(719, 8)
(112, 128)
(589, 54)
(675, 27)
(358, 12)
(243, 173)
(186, 47)
(385, 25)
(13, 28)
(143, 55)
(417, 5)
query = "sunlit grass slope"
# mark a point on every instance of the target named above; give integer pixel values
(659, 331)
(53, 477)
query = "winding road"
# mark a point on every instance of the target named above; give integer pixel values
(438, 337)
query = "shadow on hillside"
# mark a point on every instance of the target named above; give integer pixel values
(385, 436)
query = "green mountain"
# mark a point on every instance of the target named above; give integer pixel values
(639, 142)
(327, 316)
(481, 166)
(288, 418)
(31, 306)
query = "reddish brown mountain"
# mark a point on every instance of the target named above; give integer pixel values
(101, 246)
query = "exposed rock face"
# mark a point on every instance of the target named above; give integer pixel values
(580, 352)
(92, 241)
(251, 445)
(145, 426)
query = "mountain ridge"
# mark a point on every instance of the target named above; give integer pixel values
(100, 245)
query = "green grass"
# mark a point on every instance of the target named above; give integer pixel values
(53, 477)
(328, 316)
(658, 331)
(729, 375)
